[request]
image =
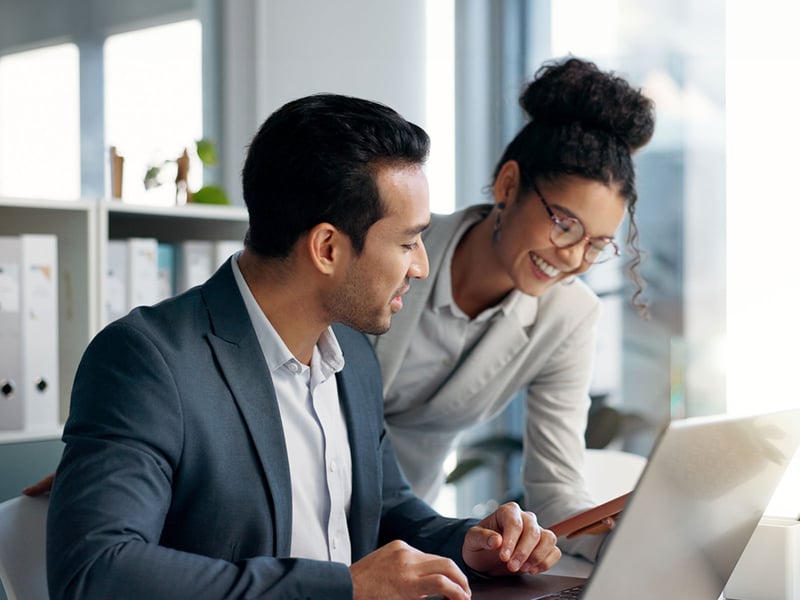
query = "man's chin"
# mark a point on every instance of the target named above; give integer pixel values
(379, 330)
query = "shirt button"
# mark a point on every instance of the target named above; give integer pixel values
(332, 466)
(293, 367)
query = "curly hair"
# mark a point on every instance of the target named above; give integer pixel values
(584, 122)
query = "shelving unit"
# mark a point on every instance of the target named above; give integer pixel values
(83, 228)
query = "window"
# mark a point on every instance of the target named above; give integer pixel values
(40, 123)
(763, 124)
(440, 104)
(153, 104)
(671, 365)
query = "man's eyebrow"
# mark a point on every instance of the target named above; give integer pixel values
(417, 229)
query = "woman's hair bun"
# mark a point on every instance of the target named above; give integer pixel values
(576, 91)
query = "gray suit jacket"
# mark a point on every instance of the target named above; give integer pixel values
(544, 347)
(175, 481)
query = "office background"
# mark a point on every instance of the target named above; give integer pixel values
(718, 206)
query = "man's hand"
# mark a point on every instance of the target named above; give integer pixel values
(397, 571)
(40, 488)
(510, 541)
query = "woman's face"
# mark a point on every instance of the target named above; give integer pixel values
(523, 244)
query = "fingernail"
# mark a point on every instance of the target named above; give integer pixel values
(534, 571)
(513, 565)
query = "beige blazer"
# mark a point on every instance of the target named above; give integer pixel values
(544, 347)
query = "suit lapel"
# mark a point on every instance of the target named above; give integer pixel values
(364, 453)
(484, 366)
(239, 355)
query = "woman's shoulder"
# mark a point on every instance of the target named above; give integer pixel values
(575, 299)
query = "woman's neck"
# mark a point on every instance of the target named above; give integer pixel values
(477, 278)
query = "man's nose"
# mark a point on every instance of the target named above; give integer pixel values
(419, 267)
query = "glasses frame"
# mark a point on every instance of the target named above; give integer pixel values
(586, 239)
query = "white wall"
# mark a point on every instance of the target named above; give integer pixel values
(278, 51)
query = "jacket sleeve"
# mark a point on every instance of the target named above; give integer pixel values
(113, 489)
(557, 404)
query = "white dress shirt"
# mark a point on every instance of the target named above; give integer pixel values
(317, 443)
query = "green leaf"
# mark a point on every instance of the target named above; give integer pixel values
(207, 151)
(151, 178)
(210, 194)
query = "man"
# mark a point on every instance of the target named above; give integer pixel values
(229, 442)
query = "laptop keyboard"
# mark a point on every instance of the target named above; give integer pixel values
(572, 593)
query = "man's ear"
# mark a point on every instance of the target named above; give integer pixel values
(506, 184)
(324, 244)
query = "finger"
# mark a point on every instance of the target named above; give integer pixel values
(542, 564)
(439, 586)
(441, 575)
(480, 538)
(530, 545)
(512, 524)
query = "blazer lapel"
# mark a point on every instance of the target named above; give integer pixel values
(364, 453)
(236, 348)
(484, 366)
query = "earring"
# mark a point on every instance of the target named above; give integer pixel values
(496, 232)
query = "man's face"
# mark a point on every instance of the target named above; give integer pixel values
(374, 281)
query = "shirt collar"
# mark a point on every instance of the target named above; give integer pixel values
(276, 352)
(442, 295)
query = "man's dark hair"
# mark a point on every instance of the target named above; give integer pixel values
(314, 160)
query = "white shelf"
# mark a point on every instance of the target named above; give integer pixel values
(31, 435)
(83, 228)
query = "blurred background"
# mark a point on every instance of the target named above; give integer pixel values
(718, 203)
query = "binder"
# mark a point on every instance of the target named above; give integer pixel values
(194, 262)
(11, 404)
(142, 272)
(39, 273)
(29, 385)
(116, 282)
(223, 250)
(166, 270)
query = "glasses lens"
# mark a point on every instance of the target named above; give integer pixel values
(599, 252)
(566, 231)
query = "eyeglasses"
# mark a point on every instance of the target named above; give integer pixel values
(568, 232)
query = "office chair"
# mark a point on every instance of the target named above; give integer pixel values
(22, 547)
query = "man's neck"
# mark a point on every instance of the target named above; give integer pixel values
(284, 296)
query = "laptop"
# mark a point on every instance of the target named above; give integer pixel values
(706, 485)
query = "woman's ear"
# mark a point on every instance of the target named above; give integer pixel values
(506, 184)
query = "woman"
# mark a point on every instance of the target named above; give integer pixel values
(501, 309)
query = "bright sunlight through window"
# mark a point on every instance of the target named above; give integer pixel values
(763, 214)
(440, 103)
(40, 124)
(153, 104)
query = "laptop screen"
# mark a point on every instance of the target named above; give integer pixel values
(706, 485)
